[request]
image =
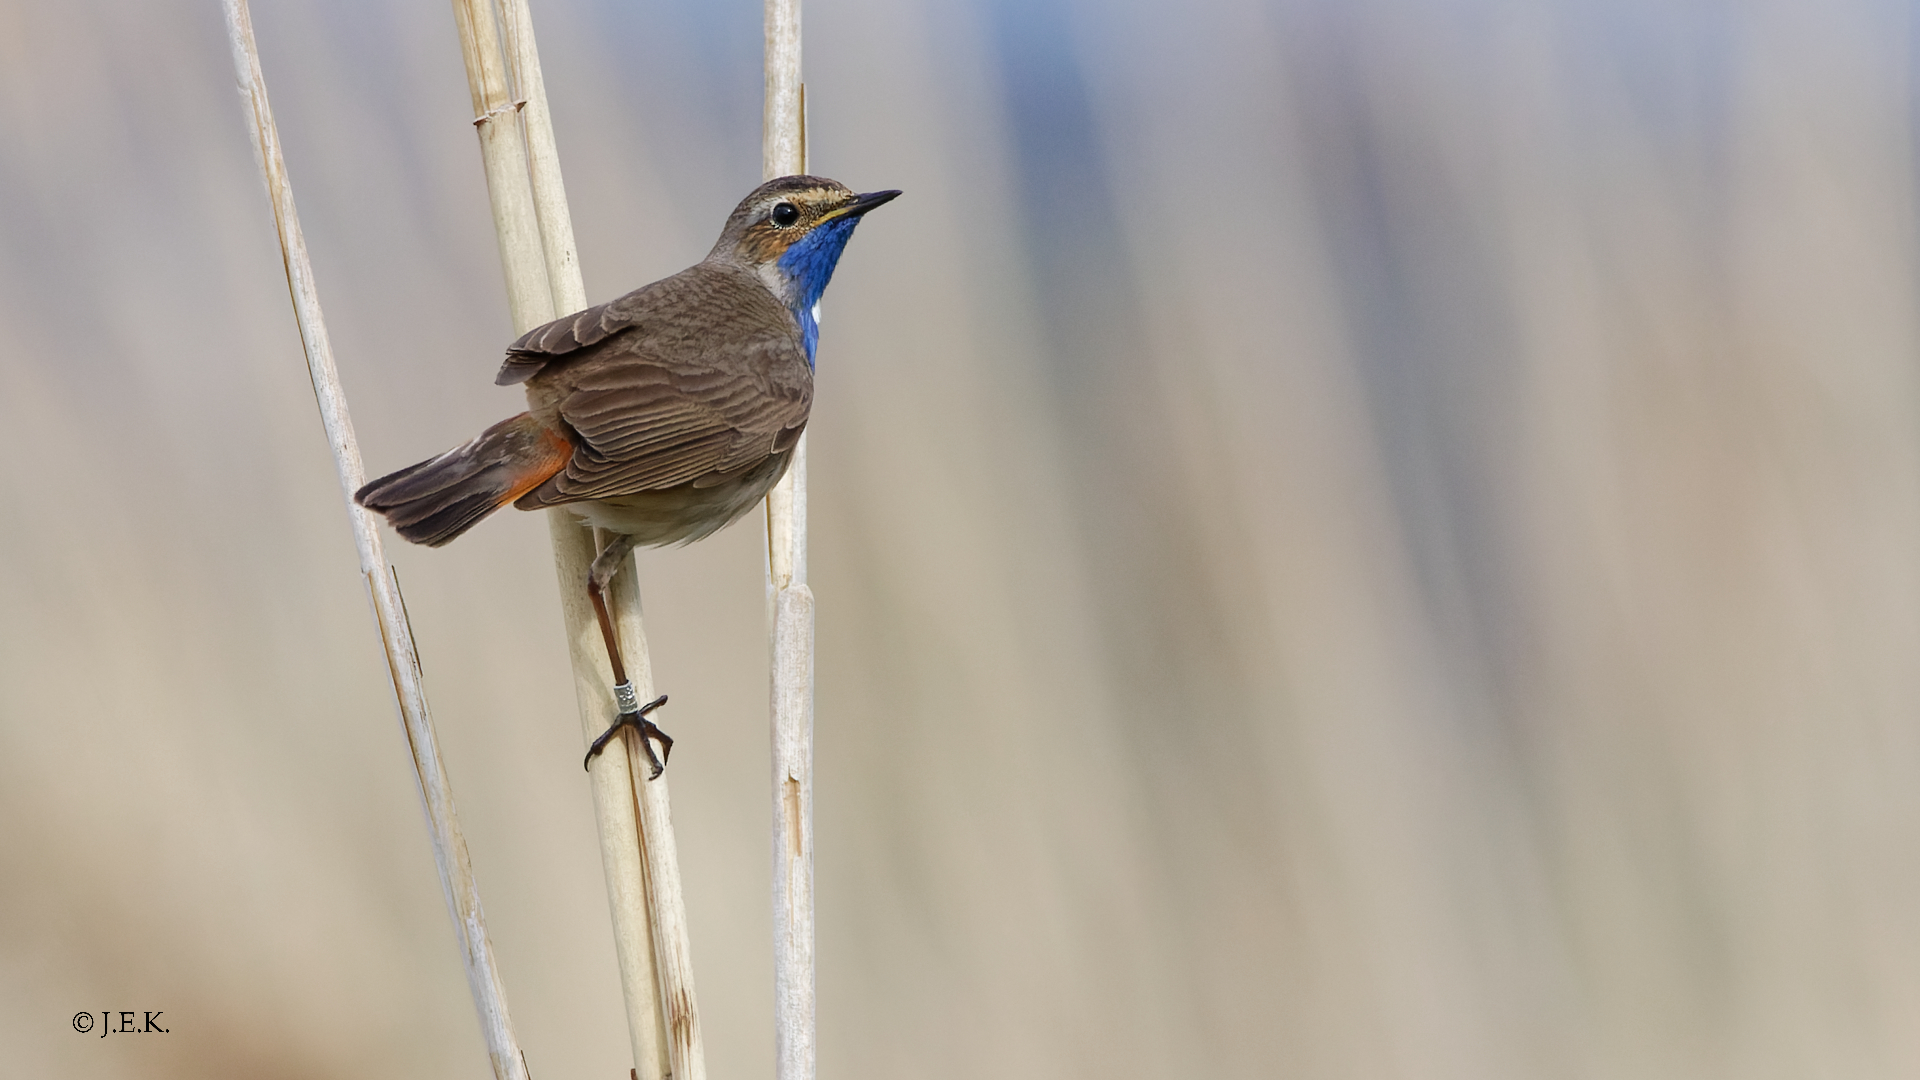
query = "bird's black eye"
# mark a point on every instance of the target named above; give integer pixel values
(784, 214)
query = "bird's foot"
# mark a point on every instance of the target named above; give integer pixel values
(634, 715)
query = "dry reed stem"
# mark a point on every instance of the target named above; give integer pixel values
(436, 795)
(790, 611)
(638, 851)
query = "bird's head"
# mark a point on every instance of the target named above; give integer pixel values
(791, 231)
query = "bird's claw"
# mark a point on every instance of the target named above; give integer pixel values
(649, 732)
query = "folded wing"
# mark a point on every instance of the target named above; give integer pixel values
(654, 402)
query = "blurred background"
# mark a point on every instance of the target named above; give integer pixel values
(1354, 538)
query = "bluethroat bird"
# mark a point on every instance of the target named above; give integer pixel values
(660, 417)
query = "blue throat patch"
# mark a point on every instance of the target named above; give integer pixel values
(808, 266)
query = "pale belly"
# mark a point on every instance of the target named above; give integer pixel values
(686, 513)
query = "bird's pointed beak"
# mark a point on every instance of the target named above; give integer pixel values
(862, 203)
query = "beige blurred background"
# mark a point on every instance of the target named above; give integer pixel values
(1355, 538)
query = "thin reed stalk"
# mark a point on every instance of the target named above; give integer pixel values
(383, 589)
(637, 847)
(790, 613)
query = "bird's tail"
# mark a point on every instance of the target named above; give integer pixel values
(442, 497)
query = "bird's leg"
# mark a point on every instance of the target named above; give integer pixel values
(626, 701)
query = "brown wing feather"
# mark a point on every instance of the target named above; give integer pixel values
(566, 337)
(713, 383)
